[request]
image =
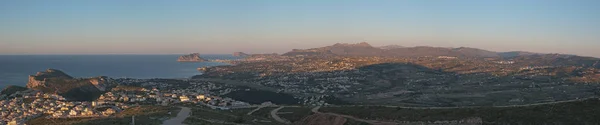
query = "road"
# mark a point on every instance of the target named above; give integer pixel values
(258, 108)
(181, 116)
(372, 122)
(277, 118)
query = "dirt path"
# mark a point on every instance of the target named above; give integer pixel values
(277, 118)
(181, 116)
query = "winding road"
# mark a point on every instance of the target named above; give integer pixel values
(181, 116)
(277, 118)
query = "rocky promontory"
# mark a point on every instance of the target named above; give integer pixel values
(240, 54)
(56, 81)
(194, 57)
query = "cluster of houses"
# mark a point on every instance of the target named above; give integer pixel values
(156, 97)
(29, 104)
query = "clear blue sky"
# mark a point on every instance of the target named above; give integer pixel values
(261, 26)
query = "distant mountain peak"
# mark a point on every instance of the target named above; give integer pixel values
(361, 44)
(388, 47)
(365, 49)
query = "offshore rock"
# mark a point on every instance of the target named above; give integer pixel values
(240, 54)
(194, 57)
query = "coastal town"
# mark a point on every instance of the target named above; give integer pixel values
(22, 106)
(442, 81)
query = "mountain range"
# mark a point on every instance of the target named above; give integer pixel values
(365, 49)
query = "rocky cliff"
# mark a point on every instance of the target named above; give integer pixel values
(56, 81)
(39, 79)
(194, 57)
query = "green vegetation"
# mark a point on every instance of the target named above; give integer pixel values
(206, 116)
(354, 122)
(580, 112)
(127, 88)
(72, 89)
(12, 89)
(264, 112)
(243, 111)
(294, 114)
(144, 115)
(260, 96)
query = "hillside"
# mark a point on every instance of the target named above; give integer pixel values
(365, 49)
(340, 49)
(12, 89)
(575, 112)
(56, 81)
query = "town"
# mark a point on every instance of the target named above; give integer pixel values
(25, 105)
(442, 81)
(418, 81)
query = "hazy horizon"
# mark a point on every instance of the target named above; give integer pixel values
(68, 27)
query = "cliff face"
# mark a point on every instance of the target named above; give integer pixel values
(194, 57)
(56, 81)
(99, 83)
(39, 79)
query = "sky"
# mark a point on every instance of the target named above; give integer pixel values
(267, 26)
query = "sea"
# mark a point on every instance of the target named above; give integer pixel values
(15, 69)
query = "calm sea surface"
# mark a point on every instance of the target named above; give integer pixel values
(14, 69)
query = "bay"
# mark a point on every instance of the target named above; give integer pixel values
(15, 69)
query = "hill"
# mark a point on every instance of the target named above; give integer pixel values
(575, 112)
(516, 54)
(365, 49)
(339, 49)
(9, 90)
(56, 81)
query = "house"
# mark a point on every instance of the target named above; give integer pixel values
(184, 98)
(73, 113)
(200, 97)
(109, 111)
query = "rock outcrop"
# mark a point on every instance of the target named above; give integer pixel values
(194, 57)
(39, 79)
(240, 54)
(56, 81)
